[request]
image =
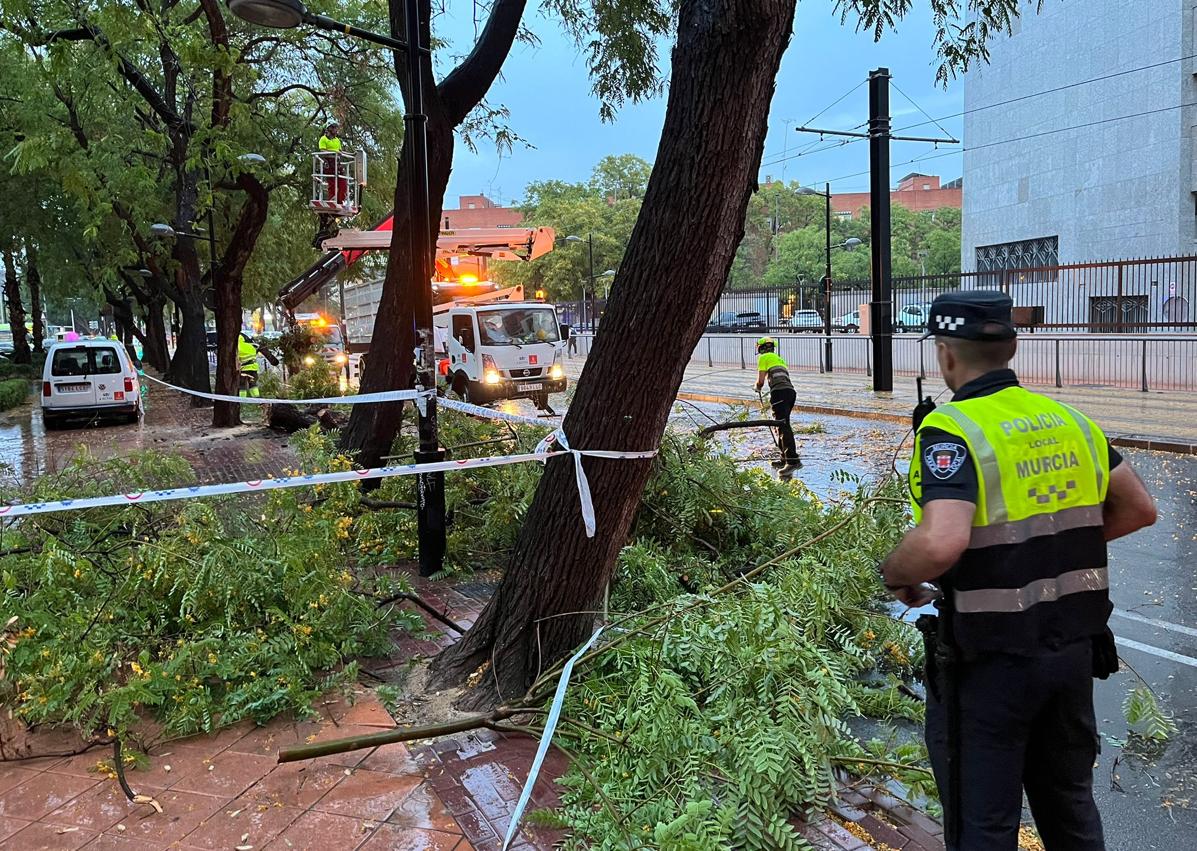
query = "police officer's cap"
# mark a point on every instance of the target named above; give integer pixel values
(971, 315)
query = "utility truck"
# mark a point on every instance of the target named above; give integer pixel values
(501, 349)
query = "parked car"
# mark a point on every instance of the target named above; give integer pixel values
(806, 320)
(721, 324)
(749, 323)
(912, 317)
(849, 323)
(89, 378)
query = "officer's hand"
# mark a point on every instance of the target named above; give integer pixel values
(920, 412)
(915, 596)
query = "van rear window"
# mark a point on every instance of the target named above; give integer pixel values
(86, 360)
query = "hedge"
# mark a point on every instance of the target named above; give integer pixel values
(13, 392)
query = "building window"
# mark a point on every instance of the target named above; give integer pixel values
(1126, 314)
(844, 215)
(997, 262)
(926, 186)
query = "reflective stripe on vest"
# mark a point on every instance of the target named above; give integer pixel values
(1042, 468)
(1032, 594)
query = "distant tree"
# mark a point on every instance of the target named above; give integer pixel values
(943, 252)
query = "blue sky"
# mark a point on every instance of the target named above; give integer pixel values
(547, 90)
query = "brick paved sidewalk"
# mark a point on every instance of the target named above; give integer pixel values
(1154, 420)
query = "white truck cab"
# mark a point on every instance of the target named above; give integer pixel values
(503, 350)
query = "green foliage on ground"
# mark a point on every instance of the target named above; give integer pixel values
(13, 392)
(196, 613)
(316, 380)
(722, 711)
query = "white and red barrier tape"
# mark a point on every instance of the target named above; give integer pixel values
(359, 399)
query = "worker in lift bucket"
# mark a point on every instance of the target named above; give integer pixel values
(771, 368)
(337, 187)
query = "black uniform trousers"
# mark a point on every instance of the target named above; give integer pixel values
(782, 401)
(1025, 723)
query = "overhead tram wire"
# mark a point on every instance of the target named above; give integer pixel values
(1054, 90)
(942, 129)
(831, 105)
(1025, 138)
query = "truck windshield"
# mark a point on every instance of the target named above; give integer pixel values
(518, 326)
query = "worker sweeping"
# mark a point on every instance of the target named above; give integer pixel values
(1015, 496)
(771, 368)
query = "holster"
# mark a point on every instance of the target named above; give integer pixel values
(942, 683)
(1105, 655)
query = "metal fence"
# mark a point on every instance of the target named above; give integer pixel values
(1113, 297)
(1138, 362)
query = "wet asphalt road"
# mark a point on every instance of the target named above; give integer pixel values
(1149, 801)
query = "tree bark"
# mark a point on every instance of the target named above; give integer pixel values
(724, 66)
(33, 278)
(189, 366)
(16, 311)
(227, 282)
(391, 364)
(155, 350)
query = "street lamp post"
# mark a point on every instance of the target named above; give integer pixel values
(588, 288)
(847, 245)
(430, 487)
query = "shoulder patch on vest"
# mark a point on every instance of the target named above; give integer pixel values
(944, 459)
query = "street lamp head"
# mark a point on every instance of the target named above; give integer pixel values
(607, 274)
(251, 159)
(852, 242)
(278, 14)
(162, 231)
(572, 238)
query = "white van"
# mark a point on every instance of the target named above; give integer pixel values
(504, 350)
(89, 378)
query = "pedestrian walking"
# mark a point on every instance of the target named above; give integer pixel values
(567, 331)
(771, 368)
(1015, 496)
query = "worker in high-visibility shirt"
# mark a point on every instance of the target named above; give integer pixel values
(337, 186)
(772, 369)
(1015, 496)
(247, 362)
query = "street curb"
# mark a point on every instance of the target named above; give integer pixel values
(1177, 446)
(1156, 444)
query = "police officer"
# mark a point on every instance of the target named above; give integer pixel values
(770, 367)
(1015, 496)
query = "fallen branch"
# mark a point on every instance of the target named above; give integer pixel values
(390, 737)
(426, 606)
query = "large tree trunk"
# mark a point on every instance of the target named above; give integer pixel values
(391, 364)
(155, 350)
(33, 277)
(16, 311)
(189, 366)
(681, 250)
(227, 279)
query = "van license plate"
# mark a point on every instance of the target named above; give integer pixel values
(72, 388)
(523, 388)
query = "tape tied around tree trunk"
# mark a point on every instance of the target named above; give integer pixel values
(558, 439)
(550, 727)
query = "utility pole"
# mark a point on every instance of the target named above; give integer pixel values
(881, 306)
(430, 487)
(827, 280)
(590, 312)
